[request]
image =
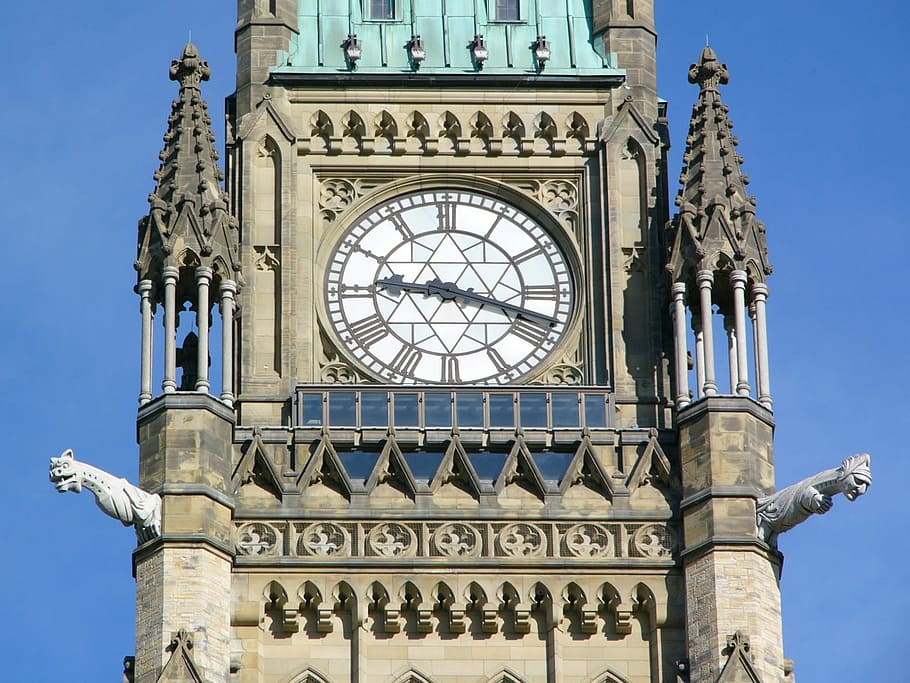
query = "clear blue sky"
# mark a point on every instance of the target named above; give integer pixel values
(819, 95)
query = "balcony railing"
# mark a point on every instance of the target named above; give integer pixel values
(465, 408)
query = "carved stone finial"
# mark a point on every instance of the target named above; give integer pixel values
(115, 496)
(788, 507)
(190, 70)
(709, 73)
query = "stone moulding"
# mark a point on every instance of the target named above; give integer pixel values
(500, 604)
(463, 541)
(430, 133)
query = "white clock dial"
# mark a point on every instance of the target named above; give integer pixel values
(448, 287)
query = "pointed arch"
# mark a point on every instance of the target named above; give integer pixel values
(309, 675)
(506, 676)
(353, 128)
(266, 192)
(609, 676)
(413, 676)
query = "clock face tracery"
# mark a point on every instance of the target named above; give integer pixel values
(448, 287)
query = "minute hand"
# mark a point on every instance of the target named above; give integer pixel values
(448, 290)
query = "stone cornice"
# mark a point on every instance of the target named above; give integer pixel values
(724, 404)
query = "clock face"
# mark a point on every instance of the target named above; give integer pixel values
(448, 287)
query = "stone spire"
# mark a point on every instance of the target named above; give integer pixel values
(188, 221)
(716, 226)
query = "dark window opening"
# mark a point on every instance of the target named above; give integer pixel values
(382, 9)
(507, 10)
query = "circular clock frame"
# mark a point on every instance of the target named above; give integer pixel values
(450, 285)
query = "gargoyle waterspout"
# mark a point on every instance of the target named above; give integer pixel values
(116, 496)
(790, 506)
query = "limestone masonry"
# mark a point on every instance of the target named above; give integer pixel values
(436, 386)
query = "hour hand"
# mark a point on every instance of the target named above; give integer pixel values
(395, 285)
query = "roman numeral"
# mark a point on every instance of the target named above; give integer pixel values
(446, 215)
(450, 371)
(530, 332)
(498, 361)
(369, 330)
(406, 361)
(401, 226)
(540, 293)
(527, 254)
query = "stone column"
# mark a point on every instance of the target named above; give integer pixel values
(145, 309)
(678, 311)
(738, 279)
(730, 328)
(170, 274)
(705, 280)
(228, 289)
(699, 356)
(203, 278)
(760, 297)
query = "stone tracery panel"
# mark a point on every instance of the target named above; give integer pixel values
(462, 541)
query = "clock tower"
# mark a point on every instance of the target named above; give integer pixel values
(429, 419)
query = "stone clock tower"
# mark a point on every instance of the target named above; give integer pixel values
(415, 376)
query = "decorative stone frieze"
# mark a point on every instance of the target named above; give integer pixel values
(464, 541)
(541, 133)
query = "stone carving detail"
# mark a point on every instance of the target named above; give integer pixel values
(266, 259)
(324, 540)
(335, 195)
(589, 540)
(566, 374)
(115, 496)
(457, 540)
(788, 507)
(256, 538)
(522, 540)
(333, 370)
(654, 541)
(391, 539)
(560, 196)
(348, 133)
(338, 373)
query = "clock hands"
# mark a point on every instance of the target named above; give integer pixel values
(448, 291)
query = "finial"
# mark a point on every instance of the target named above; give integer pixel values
(190, 69)
(709, 72)
(707, 41)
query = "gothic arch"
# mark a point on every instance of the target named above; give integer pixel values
(609, 676)
(506, 676)
(309, 675)
(412, 676)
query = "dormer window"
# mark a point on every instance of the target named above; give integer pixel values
(382, 10)
(507, 10)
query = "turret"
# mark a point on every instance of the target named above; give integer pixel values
(187, 243)
(718, 254)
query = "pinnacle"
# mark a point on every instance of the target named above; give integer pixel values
(188, 204)
(709, 73)
(190, 69)
(715, 206)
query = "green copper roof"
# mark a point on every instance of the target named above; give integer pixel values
(447, 29)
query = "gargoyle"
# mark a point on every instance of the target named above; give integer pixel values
(117, 497)
(783, 510)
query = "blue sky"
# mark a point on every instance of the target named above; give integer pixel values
(819, 95)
